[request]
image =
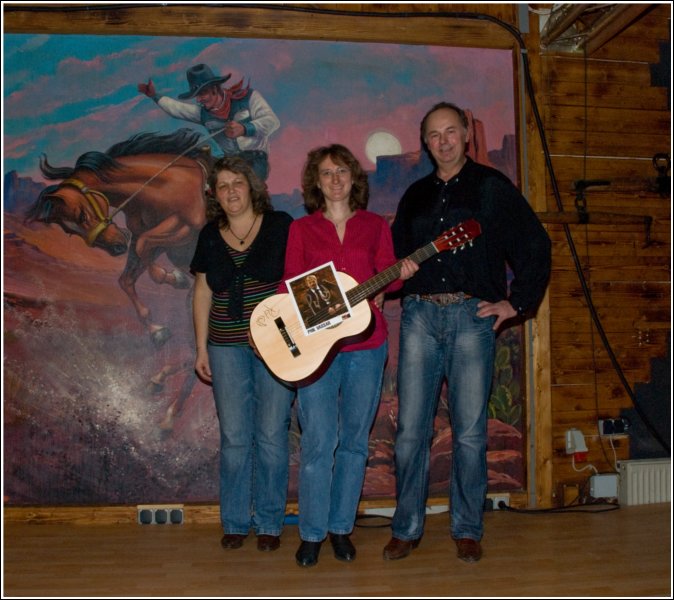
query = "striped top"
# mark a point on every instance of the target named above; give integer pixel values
(224, 330)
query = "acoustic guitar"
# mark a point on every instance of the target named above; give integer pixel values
(294, 356)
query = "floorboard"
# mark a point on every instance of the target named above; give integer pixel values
(626, 552)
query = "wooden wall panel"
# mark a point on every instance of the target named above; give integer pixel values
(605, 121)
(611, 95)
(651, 138)
(636, 170)
(640, 43)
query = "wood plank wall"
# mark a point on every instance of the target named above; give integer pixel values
(604, 108)
(605, 121)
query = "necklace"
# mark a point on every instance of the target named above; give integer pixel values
(242, 240)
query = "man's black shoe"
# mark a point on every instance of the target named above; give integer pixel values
(344, 549)
(307, 553)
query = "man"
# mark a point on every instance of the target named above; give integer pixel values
(318, 296)
(452, 308)
(239, 119)
(322, 300)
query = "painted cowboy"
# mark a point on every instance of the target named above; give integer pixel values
(238, 117)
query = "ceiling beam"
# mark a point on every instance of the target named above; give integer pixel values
(610, 24)
(560, 21)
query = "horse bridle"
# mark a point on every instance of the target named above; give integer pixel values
(106, 220)
(91, 196)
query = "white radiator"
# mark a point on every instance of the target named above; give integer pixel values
(645, 481)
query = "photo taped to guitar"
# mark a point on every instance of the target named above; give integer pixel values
(319, 298)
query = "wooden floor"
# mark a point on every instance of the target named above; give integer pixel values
(624, 553)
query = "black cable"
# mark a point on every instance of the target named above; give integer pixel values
(587, 508)
(534, 107)
(381, 521)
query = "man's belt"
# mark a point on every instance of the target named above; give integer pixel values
(443, 299)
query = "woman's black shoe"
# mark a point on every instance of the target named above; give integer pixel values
(307, 553)
(344, 549)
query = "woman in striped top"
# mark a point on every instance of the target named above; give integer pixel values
(237, 263)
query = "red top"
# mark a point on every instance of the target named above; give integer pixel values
(367, 249)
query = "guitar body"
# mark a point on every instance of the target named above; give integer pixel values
(289, 353)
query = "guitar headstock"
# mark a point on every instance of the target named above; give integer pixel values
(458, 236)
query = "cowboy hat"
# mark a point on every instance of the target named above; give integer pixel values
(198, 77)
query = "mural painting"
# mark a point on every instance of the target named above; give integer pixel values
(104, 183)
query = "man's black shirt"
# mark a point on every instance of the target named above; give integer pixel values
(511, 234)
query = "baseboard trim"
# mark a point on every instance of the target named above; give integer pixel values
(113, 515)
(192, 513)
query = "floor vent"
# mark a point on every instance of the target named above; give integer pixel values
(645, 481)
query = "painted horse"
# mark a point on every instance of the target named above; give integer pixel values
(158, 182)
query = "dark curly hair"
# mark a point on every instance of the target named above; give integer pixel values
(341, 155)
(258, 189)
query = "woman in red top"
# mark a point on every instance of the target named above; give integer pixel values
(336, 412)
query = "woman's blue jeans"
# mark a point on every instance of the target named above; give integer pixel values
(442, 342)
(336, 414)
(254, 415)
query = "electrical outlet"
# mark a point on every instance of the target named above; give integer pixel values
(160, 514)
(496, 499)
(613, 426)
(575, 441)
(604, 485)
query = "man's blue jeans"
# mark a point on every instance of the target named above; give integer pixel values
(442, 342)
(254, 415)
(335, 414)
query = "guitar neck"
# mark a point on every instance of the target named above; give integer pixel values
(381, 280)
